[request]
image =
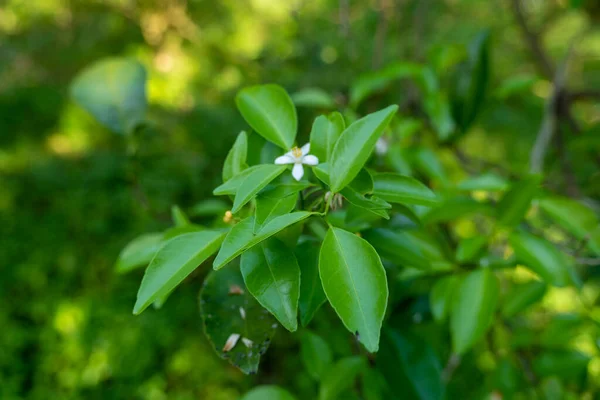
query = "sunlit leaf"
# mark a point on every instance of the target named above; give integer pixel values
(355, 284)
(242, 236)
(175, 260)
(542, 258)
(269, 110)
(114, 92)
(272, 275)
(473, 310)
(355, 145)
(235, 162)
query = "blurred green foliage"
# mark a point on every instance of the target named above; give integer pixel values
(72, 193)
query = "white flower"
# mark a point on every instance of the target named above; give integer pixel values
(298, 156)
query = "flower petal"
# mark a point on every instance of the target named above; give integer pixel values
(298, 171)
(310, 160)
(284, 159)
(305, 149)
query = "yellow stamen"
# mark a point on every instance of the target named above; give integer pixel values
(297, 152)
(227, 217)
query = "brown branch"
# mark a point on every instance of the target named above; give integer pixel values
(582, 95)
(539, 55)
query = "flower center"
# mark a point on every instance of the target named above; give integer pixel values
(297, 152)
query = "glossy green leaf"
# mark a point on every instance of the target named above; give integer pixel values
(324, 134)
(316, 355)
(178, 258)
(355, 145)
(515, 203)
(232, 185)
(470, 249)
(114, 92)
(235, 162)
(372, 203)
(272, 275)
(340, 377)
(228, 308)
(410, 366)
(254, 183)
(275, 201)
(312, 295)
(441, 297)
(473, 310)
(355, 284)
(314, 98)
(573, 216)
(269, 110)
(268, 392)
(408, 248)
(522, 296)
(242, 237)
(488, 181)
(397, 188)
(363, 182)
(541, 257)
(138, 252)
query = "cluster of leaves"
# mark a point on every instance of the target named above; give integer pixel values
(360, 233)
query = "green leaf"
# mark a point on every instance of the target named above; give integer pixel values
(276, 201)
(410, 366)
(312, 295)
(515, 203)
(314, 98)
(373, 82)
(340, 377)
(397, 188)
(441, 297)
(522, 296)
(355, 284)
(355, 145)
(455, 208)
(242, 237)
(488, 181)
(408, 248)
(562, 363)
(232, 185)
(180, 230)
(316, 355)
(178, 216)
(227, 308)
(269, 110)
(363, 183)
(272, 275)
(469, 249)
(541, 257)
(473, 310)
(236, 158)
(372, 203)
(254, 183)
(208, 208)
(430, 165)
(114, 92)
(324, 134)
(573, 216)
(470, 83)
(438, 109)
(138, 252)
(178, 258)
(268, 392)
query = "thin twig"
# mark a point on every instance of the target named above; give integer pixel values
(539, 55)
